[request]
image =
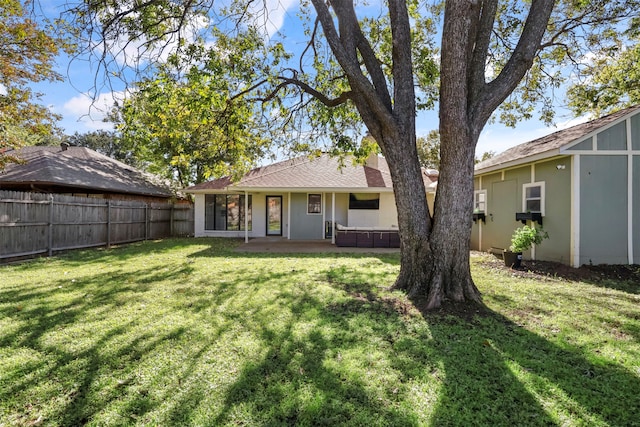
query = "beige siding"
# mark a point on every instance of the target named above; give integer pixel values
(388, 211)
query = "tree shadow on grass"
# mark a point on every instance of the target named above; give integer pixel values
(303, 377)
(488, 369)
(45, 318)
(356, 357)
(562, 387)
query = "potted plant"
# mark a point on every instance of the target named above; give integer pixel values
(523, 238)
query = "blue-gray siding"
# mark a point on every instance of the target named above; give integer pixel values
(303, 225)
(603, 210)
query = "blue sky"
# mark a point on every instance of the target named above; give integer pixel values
(70, 99)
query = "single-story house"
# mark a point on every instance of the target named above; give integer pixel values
(581, 184)
(79, 171)
(303, 198)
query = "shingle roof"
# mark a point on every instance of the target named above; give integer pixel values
(552, 142)
(323, 172)
(79, 168)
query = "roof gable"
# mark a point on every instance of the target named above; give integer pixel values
(552, 144)
(307, 172)
(322, 172)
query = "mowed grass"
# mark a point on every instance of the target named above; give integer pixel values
(189, 332)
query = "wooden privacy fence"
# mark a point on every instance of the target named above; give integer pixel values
(34, 223)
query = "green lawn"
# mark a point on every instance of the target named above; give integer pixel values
(188, 332)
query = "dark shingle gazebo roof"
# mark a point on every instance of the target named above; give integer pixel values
(79, 169)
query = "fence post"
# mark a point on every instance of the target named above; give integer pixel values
(171, 220)
(146, 221)
(50, 224)
(108, 223)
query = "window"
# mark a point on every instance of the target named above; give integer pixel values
(314, 204)
(480, 201)
(364, 201)
(533, 197)
(225, 212)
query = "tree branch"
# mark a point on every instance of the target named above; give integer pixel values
(519, 62)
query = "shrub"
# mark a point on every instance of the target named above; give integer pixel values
(524, 237)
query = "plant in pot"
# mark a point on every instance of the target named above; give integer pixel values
(523, 238)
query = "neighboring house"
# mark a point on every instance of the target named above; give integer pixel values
(301, 198)
(582, 184)
(79, 171)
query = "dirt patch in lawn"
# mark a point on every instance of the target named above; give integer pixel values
(596, 274)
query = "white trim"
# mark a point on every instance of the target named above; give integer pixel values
(629, 192)
(596, 131)
(238, 189)
(324, 216)
(486, 200)
(533, 172)
(629, 137)
(542, 197)
(630, 206)
(513, 164)
(604, 152)
(486, 203)
(246, 217)
(289, 216)
(333, 218)
(575, 211)
(321, 202)
(517, 165)
(540, 184)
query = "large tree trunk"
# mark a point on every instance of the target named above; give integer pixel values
(435, 251)
(434, 248)
(414, 221)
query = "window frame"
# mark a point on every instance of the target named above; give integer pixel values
(364, 205)
(542, 197)
(309, 205)
(240, 207)
(476, 193)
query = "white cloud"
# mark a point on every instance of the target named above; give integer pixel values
(271, 14)
(574, 121)
(3, 89)
(91, 112)
(135, 54)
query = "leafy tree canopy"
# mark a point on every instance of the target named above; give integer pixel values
(190, 121)
(611, 78)
(28, 48)
(429, 150)
(104, 142)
